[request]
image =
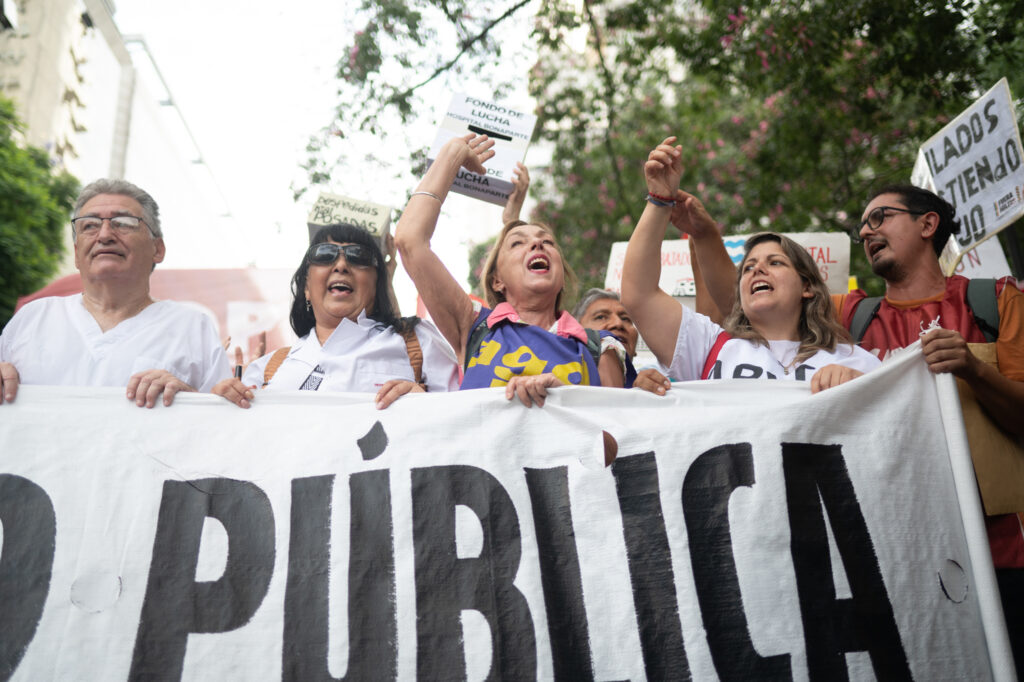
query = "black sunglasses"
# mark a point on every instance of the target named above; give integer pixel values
(355, 254)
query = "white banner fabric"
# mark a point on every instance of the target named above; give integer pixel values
(747, 530)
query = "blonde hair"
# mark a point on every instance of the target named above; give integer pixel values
(818, 327)
(490, 270)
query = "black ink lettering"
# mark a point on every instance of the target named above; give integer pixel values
(26, 565)
(709, 482)
(446, 584)
(977, 219)
(832, 626)
(949, 151)
(983, 169)
(741, 371)
(650, 567)
(963, 138)
(560, 573)
(800, 373)
(372, 623)
(992, 119)
(175, 604)
(1012, 155)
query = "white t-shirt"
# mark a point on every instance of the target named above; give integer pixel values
(360, 357)
(743, 359)
(56, 341)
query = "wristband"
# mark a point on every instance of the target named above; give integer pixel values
(425, 194)
(660, 201)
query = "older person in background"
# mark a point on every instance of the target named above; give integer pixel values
(113, 333)
(524, 340)
(351, 338)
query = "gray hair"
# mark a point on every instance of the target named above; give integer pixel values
(589, 298)
(150, 211)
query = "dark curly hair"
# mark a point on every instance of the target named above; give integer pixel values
(383, 313)
(921, 201)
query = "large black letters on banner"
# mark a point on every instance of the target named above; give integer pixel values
(26, 564)
(709, 482)
(865, 622)
(175, 604)
(650, 568)
(446, 584)
(372, 626)
(560, 573)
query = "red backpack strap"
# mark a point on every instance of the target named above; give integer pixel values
(713, 355)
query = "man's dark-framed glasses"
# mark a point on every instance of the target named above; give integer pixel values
(876, 218)
(355, 254)
(91, 224)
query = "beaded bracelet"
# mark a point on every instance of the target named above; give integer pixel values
(660, 201)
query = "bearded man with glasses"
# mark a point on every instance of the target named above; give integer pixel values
(903, 229)
(113, 333)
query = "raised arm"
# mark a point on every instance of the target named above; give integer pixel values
(449, 306)
(716, 268)
(656, 314)
(514, 205)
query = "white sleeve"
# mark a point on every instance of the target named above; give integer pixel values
(857, 358)
(216, 366)
(440, 368)
(697, 334)
(253, 375)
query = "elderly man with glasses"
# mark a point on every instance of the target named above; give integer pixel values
(113, 333)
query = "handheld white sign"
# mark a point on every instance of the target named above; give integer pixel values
(511, 131)
(333, 208)
(975, 163)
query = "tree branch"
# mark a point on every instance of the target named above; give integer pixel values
(609, 85)
(465, 46)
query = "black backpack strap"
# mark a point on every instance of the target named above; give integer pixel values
(476, 337)
(981, 299)
(594, 345)
(862, 316)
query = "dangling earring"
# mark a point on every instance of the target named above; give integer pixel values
(309, 307)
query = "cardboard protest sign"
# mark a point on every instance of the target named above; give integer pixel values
(511, 131)
(676, 269)
(977, 164)
(334, 208)
(747, 530)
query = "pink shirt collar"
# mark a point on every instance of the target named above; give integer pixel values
(566, 326)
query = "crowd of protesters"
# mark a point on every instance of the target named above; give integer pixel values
(779, 320)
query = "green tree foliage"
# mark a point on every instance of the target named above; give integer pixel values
(788, 112)
(35, 203)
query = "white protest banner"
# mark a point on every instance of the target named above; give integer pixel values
(975, 163)
(511, 131)
(747, 530)
(334, 208)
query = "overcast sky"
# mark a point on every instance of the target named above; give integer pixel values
(254, 80)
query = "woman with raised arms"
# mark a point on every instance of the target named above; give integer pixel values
(781, 325)
(522, 339)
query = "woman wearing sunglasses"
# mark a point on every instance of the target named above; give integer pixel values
(781, 325)
(523, 340)
(350, 337)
